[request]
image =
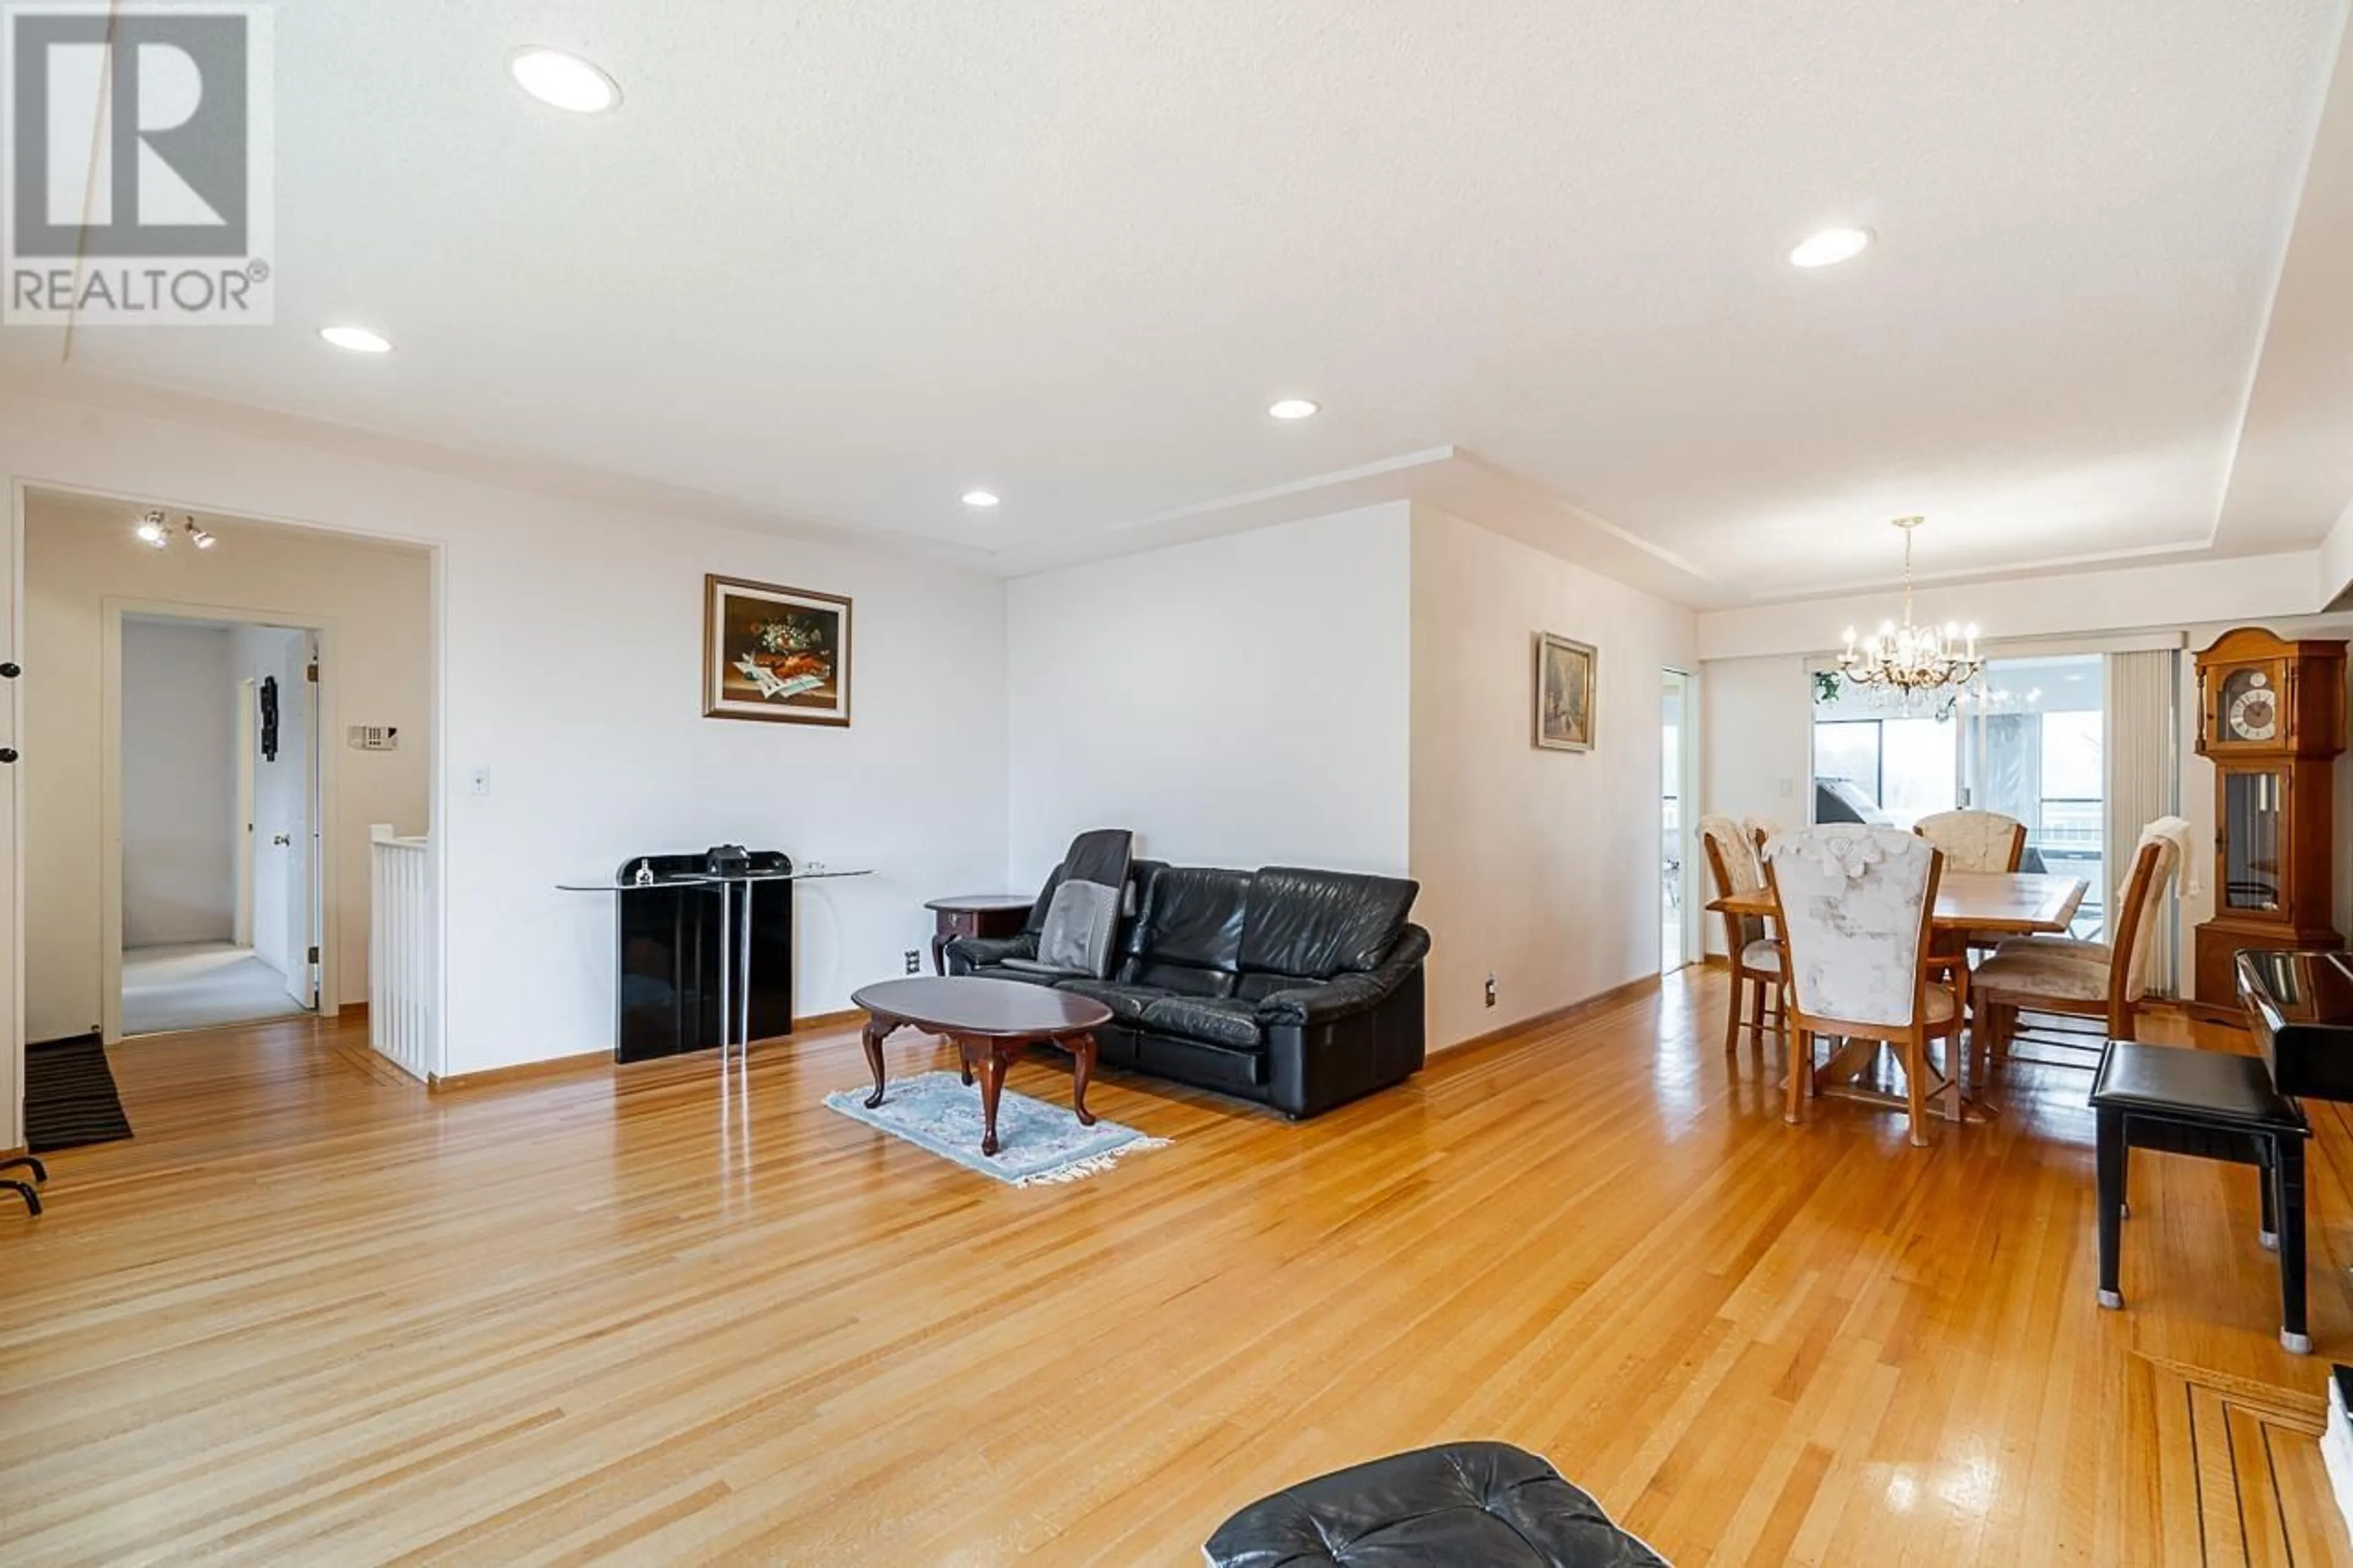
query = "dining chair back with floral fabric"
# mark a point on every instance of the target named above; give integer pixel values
(1975, 840)
(1755, 955)
(1972, 841)
(1855, 904)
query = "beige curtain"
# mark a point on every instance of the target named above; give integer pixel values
(2144, 782)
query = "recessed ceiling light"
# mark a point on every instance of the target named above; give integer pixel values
(982, 498)
(1831, 246)
(567, 81)
(1293, 408)
(359, 339)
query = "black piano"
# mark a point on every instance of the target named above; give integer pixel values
(2300, 1005)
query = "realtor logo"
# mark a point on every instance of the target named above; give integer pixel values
(139, 164)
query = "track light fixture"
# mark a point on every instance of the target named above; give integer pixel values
(155, 531)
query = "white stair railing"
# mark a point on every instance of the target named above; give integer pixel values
(401, 985)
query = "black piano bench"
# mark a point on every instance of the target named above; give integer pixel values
(2217, 1107)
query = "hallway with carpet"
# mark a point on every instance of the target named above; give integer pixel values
(200, 985)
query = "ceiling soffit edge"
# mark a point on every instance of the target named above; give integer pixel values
(560, 481)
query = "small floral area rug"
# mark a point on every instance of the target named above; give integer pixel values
(1035, 1141)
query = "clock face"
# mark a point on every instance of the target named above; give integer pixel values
(2250, 707)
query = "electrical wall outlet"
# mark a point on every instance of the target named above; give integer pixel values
(1491, 991)
(915, 961)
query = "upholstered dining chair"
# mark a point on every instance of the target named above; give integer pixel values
(1756, 957)
(1855, 904)
(1975, 840)
(1972, 841)
(2082, 979)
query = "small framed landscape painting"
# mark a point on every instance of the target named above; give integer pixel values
(1564, 694)
(774, 653)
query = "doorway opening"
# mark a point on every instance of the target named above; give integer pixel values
(219, 821)
(198, 813)
(1675, 733)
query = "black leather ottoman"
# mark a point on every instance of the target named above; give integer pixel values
(1465, 1505)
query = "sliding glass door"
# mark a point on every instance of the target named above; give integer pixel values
(1875, 762)
(2034, 746)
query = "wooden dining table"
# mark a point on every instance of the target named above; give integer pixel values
(1996, 903)
(1969, 904)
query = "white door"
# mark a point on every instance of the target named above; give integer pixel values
(12, 955)
(314, 858)
(1675, 846)
(247, 746)
(298, 754)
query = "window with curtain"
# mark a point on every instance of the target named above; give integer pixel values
(2143, 777)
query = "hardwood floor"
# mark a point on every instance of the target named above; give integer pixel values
(312, 1314)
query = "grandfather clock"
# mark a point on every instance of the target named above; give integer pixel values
(2271, 718)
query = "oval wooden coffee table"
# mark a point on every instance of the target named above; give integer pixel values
(992, 1022)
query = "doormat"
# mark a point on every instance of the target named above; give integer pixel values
(69, 1096)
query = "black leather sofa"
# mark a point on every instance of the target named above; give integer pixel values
(1299, 989)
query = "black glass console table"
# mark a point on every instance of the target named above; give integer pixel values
(705, 948)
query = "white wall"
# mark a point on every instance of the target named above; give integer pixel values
(1237, 701)
(571, 633)
(78, 555)
(179, 784)
(1541, 867)
(2334, 559)
(1756, 718)
(1353, 692)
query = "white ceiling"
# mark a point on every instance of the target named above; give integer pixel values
(840, 260)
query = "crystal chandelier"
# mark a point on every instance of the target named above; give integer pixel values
(1908, 659)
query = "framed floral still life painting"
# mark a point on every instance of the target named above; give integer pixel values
(774, 653)
(1564, 694)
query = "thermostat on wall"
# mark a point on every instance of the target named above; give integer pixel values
(375, 738)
